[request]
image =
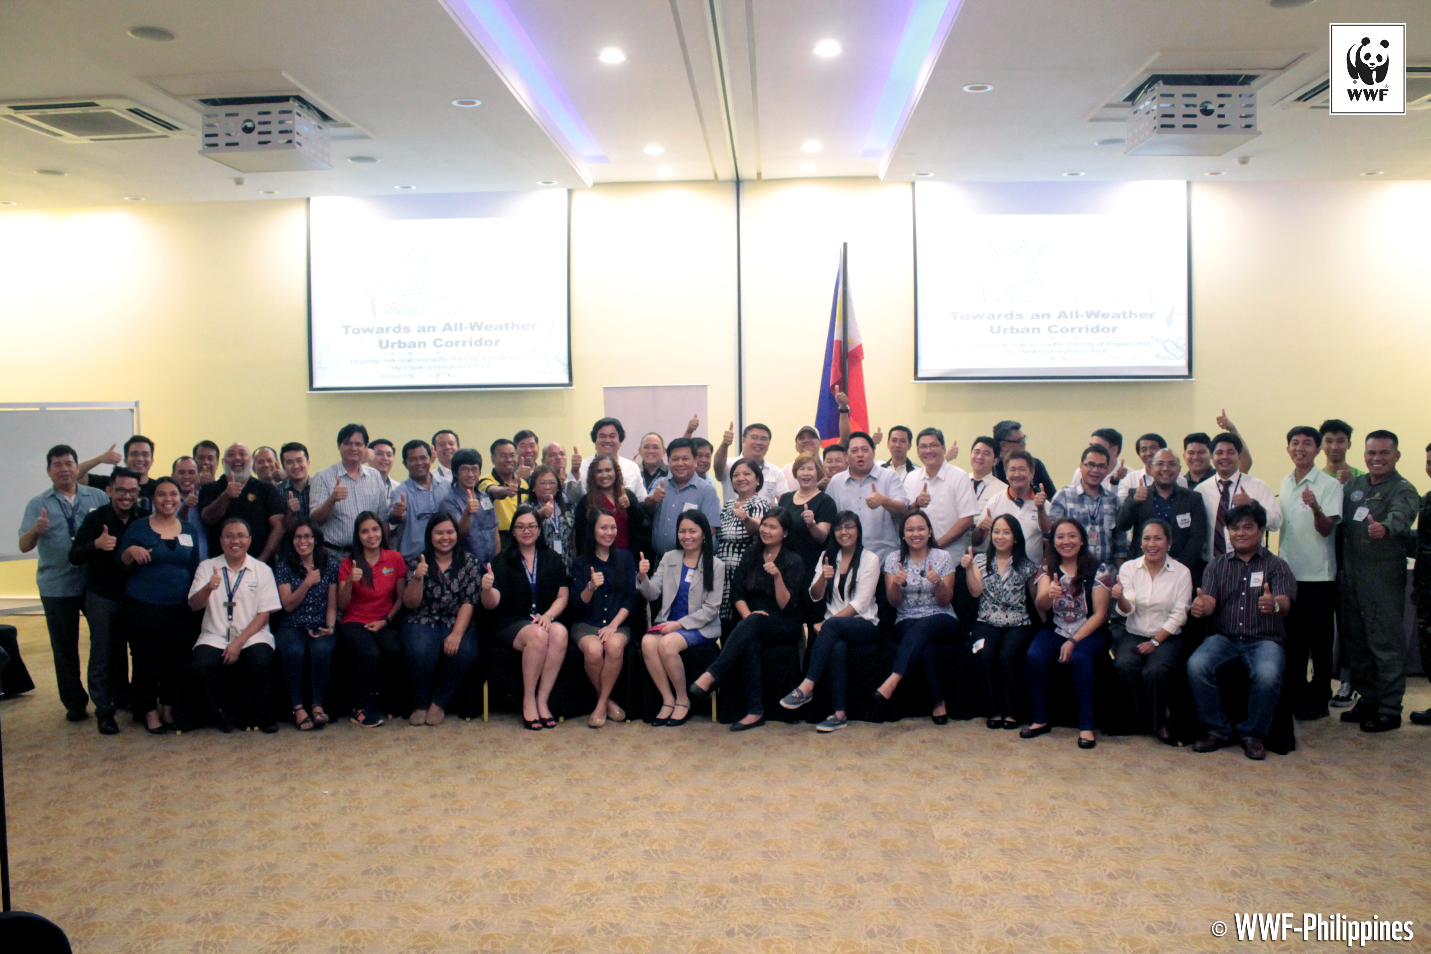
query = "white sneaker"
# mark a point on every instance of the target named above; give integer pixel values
(1346, 696)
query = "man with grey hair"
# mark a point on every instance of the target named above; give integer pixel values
(238, 493)
(1010, 437)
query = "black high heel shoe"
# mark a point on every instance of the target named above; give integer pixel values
(697, 693)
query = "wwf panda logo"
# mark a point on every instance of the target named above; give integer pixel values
(1368, 63)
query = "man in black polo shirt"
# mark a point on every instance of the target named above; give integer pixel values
(1183, 509)
(237, 493)
(1009, 435)
(138, 458)
(96, 548)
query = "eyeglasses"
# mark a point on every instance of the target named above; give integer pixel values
(1021, 442)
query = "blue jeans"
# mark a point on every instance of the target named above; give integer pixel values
(292, 644)
(916, 640)
(1043, 653)
(835, 637)
(422, 648)
(1265, 662)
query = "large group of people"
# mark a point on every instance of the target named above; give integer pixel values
(236, 557)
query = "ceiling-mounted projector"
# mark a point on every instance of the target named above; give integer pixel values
(1191, 121)
(264, 134)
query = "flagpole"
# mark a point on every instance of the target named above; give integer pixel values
(845, 316)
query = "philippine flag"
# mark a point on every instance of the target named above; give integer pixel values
(844, 363)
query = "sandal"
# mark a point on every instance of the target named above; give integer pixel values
(549, 722)
(320, 718)
(534, 724)
(305, 724)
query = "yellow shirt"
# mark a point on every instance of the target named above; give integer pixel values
(506, 507)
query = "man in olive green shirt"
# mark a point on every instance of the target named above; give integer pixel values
(1378, 510)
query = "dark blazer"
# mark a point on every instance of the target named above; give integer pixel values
(1187, 544)
(510, 580)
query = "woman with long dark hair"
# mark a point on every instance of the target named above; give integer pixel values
(604, 581)
(370, 586)
(1003, 580)
(690, 583)
(525, 590)
(765, 595)
(307, 578)
(919, 583)
(606, 492)
(845, 583)
(1073, 595)
(439, 640)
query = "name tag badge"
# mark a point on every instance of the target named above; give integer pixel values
(1255, 582)
(689, 506)
(1361, 514)
(185, 540)
(1185, 520)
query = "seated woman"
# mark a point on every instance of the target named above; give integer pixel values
(162, 554)
(236, 608)
(846, 579)
(1152, 597)
(604, 580)
(1074, 589)
(919, 582)
(525, 590)
(555, 510)
(307, 578)
(739, 523)
(811, 513)
(473, 510)
(439, 640)
(1002, 580)
(690, 611)
(370, 585)
(764, 591)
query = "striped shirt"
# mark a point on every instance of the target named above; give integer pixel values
(368, 492)
(1236, 584)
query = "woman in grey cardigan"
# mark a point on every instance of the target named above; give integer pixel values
(690, 611)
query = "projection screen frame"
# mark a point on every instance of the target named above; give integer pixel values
(427, 389)
(1098, 377)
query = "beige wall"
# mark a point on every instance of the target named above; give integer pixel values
(1309, 301)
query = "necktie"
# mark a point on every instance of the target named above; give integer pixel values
(1219, 534)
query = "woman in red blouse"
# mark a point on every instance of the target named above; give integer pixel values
(370, 584)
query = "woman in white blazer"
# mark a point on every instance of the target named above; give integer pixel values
(690, 611)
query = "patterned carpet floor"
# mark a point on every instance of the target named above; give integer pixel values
(908, 837)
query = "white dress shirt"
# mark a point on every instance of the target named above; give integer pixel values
(951, 499)
(1253, 487)
(254, 592)
(1159, 602)
(1312, 557)
(867, 576)
(985, 489)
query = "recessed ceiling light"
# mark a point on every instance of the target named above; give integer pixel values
(157, 34)
(269, 192)
(1212, 173)
(1111, 142)
(363, 160)
(807, 167)
(664, 171)
(655, 149)
(611, 55)
(546, 182)
(924, 175)
(811, 145)
(466, 103)
(1072, 175)
(404, 187)
(49, 172)
(7, 202)
(1379, 172)
(978, 88)
(1284, 4)
(828, 48)
(134, 198)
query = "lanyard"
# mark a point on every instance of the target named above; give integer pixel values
(531, 578)
(68, 510)
(231, 590)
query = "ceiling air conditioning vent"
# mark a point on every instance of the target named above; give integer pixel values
(101, 119)
(1317, 94)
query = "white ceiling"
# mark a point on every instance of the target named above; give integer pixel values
(720, 84)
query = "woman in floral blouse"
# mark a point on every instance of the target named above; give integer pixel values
(1003, 580)
(439, 640)
(739, 522)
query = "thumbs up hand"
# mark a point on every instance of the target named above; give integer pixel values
(42, 523)
(693, 424)
(112, 456)
(659, 494)
(1141, 494)
(292, 502)
(598, 580)
(728, 438)
(1309, 498)
(1117, 593)
(922, 500)
(643, 569)
(547, 510)
(1055, 588)
(1241, 498)
(575, 462)
(1040, 499)
(771, 568)
(356, 576)
(474, 503)
(741, 513)
(1121, 472)
(967, 560)
(235, 487)
(987, 523)
(420, 571)
(1267, 603)
(313, 577)
(1225, 422)
(827, 570)
(931, 574)
(900, 577)
(340, 491)
(1202, 604)
(808, 516)
(191, 500)
(400, 508)
(105, 541)
(1377, 531)
(878, 435)
(489, 579)
(953, 453)
(214, 581)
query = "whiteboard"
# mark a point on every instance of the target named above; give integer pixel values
(27, 431)
(664, 409)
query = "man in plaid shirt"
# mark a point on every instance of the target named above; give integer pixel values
(1094, 506)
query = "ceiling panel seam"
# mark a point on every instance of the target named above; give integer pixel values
(718, 54)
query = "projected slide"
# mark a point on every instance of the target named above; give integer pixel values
(439, 291)
(1051, 280)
